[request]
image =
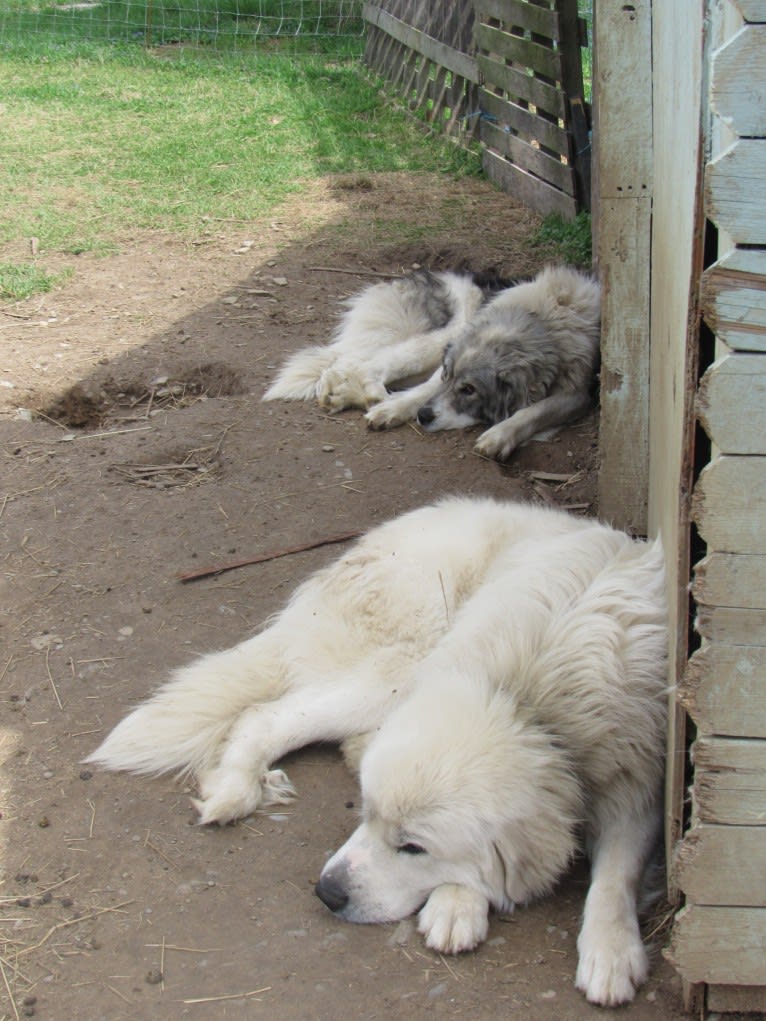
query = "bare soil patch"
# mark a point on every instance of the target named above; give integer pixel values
(154, 457)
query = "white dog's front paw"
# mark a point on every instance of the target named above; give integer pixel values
(612, 964)
(499, 442)
(454, 919)
(228, 794)
(387, 414)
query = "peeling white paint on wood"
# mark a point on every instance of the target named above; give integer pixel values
(724, 624)
(735, 191)
(728, 504)
(724, 691)
(720, 944)
(734, 299)
(738, 81)
(729, 579)
(731, 403)
(729, 782)
(751, 10)
(723, 865)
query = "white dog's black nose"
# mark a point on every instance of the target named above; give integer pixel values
(331, 893)
(425, 415)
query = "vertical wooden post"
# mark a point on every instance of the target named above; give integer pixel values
(622, 131)
(570, 26)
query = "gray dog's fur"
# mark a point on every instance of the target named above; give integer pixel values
(525, 363)
(522, 360)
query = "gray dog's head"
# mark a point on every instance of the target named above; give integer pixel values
(502, 363)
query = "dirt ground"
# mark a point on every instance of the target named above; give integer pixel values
(134, 448)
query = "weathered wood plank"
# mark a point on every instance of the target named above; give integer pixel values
(736, 999)
(522, 52)
(527, 189)
(731, 403)
(752, 10)
(675, 149)
(522, 86)
(531, 127)
(734, 299)
(723, 865)
(623, 259)
(720, 945)
(622, 202)
(727, 579)
(520, 14)
(573, 34)
(735, 191)
(727, 624)
(729, 781)
(623, 47)
(724, 690)
(524, 155)
(440, 53)
(738, 81)
(728, 503)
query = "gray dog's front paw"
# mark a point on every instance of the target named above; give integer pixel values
(499, 442)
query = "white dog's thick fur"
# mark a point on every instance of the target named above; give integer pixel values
(523, 362)
(390, 333)
(498, 672)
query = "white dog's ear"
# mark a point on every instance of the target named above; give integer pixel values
(537, 838)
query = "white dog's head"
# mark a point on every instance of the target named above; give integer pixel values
(458, 791)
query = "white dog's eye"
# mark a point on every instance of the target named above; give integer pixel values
(467, 389)
(411, 848)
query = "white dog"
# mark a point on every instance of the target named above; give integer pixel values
(523, 360)
(498, 672)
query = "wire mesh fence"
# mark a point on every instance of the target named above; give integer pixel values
(221, 24)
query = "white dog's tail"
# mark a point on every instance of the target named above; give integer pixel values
(180, 728)
(298, 378)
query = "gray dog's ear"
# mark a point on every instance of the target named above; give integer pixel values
(509, 394)
(524, 377)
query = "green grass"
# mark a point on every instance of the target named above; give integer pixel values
(569, 241)
(22, 281)
(103, 141)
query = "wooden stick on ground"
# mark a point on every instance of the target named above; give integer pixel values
(355, 272)
(206, 572)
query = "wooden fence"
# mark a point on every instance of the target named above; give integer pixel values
(507, 73)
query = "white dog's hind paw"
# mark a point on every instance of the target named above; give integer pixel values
(227, 794)
(454, 918)
(612, 966)
(341, 388)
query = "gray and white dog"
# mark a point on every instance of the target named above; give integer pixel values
(521, 360)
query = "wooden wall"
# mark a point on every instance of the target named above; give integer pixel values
(719, 937)
(680, 196)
